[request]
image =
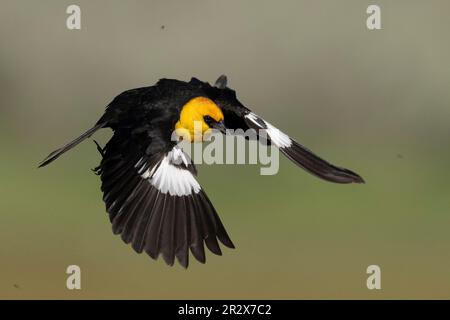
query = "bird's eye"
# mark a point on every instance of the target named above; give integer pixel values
(209, 120)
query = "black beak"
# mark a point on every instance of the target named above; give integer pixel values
(220, 125)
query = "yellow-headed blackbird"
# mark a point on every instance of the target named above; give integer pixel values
(151, 194)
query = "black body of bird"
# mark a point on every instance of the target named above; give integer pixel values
(149, 185)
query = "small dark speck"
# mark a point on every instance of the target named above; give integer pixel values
(399, 156)
(163, 27)
(16, 286)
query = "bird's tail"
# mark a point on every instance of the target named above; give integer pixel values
(55, 154)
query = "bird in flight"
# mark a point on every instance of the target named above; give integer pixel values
(149, 187)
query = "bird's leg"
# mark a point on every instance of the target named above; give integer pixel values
(99, 149)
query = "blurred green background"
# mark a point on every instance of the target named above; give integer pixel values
(377, 102)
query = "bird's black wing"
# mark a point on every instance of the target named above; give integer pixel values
(239, 117)
(116, 112)
(155, 202)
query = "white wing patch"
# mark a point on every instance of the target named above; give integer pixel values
(168, 177)
(278, 138)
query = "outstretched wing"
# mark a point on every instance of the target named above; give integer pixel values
(239, 117)
(156, 204)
